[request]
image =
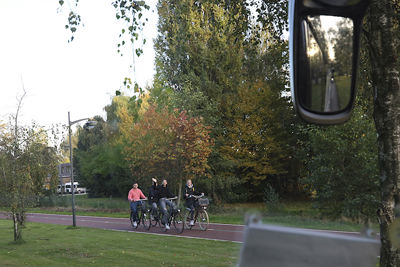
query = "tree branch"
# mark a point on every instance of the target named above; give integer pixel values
(20, 99)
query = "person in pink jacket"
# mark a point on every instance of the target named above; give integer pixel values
(134, 196)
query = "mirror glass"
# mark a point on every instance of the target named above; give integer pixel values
(329, 53)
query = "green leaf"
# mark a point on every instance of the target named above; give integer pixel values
(117, 93)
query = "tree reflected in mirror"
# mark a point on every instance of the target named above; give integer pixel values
(328, 43)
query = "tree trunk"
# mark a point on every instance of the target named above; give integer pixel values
(179, 192)
(17, 226)
(384, 60)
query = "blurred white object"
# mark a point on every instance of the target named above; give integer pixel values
(269, 245)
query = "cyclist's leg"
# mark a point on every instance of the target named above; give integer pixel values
(134, 210)
(163, 207)
(171, 204)
(190, 204)
(153, 214)
(196, 205)
(172, 209)
(153, 211)
(131, 206)
(154, 208)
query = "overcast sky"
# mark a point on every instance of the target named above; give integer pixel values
(80, 77)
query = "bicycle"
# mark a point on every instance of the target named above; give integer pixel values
(200, 214)
(142, 214)
(175, 218)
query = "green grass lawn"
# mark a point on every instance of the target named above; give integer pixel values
(55, 245)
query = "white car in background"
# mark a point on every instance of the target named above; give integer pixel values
(68, 189)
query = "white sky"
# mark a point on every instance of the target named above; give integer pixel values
(80, 77)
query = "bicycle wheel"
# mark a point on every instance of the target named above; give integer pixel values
(186, 219)
(178, 222)
(146, 219)
(153, 217)
(203, 220)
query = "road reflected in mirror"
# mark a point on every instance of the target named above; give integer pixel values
(329, 54)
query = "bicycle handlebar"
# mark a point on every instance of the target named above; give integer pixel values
(143, 199)
(197, 197)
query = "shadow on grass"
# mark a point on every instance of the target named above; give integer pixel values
(18, 242)
(70, 227)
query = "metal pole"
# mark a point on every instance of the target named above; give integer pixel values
(61, 180)
(72, 173)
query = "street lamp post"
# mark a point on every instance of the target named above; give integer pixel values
(70, 123)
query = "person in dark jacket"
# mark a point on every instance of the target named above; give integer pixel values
(163, 194)
(153, 194)
(191, 202)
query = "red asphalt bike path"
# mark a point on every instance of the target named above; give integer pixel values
(215, 231)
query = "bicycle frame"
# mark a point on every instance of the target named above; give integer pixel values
(140, 216)
(172, 216)
(196, 212)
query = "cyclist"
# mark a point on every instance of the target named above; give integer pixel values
(134, 196)
(191, 202)
(153, 195)
(163, 194)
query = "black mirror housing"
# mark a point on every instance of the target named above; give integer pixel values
(317, 84)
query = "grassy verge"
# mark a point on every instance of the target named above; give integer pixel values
(83, 212)
(312, 223)
(55, 245)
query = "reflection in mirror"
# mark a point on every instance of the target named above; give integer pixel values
(329, 55)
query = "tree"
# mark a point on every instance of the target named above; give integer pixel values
(166, 145)
(26, 161)
(98, 158)
(201, 43)
(342, 168)
(103, 170)
(190, 148)
(252, 142)
(342, 47)
(382, 34)
(266, 66)
(206, 51)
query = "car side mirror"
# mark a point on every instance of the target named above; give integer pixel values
(324, 48)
